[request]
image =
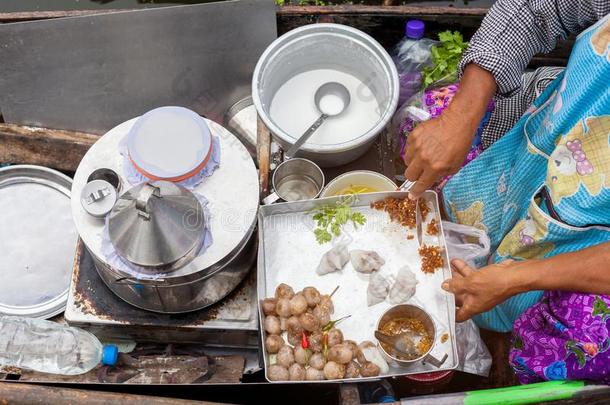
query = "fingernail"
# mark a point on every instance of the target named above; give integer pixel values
(445, 286)
(411, 196)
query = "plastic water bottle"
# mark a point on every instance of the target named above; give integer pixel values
(411, 56)
(49, 347)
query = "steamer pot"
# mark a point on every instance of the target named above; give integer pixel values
(327, 46)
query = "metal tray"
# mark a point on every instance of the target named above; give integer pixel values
(288, 253)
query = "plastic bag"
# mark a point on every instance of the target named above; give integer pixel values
(471, 245)
(411, 56)
(473, 355)
(467, 243)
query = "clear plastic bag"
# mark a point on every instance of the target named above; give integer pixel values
(411, 56)
(471, 245)
(467, 243)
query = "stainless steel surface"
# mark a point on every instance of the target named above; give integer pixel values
(288, 253)
(233, 196)
(242, 121)
(157, 225)
(330, 89)
(397, 342)
(294, 180)
(37, 239)
(98, 197)
(88, 73)
(326, 46)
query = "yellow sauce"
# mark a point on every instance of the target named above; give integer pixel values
(356, 189)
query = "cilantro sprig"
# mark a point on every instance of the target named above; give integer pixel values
(445, 58)
(331, 218)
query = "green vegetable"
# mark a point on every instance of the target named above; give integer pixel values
(279, 2)
(330, 218)
(445, 58)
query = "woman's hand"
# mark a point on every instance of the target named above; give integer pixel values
(438, 147)
(477, 291)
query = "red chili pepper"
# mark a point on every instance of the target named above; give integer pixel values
(304, 341)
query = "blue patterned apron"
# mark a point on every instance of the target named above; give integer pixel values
(544, 188)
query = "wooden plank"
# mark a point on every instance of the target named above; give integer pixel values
(366, 10)
(263, 155)
(54, 148)
(45, 15)
(12, 393)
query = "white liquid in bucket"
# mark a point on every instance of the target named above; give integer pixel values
(293, 107)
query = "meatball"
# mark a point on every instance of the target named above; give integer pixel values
(282, 307)
(301, 355)
(285, 356)
(334, 371)
(335, 337)
(293, 325)
(317, 361)
(284, 291)
(353, 346)
(278, 373)
(327, 302)
(369, 369)
(273, 343)
(298, 304)
(312, 374)
(312, 295)
(269, 306)
(352, 370)
(340, 354)
(322, 314)
(309, 322)
(294, 339)
(316, 342)
(272, 325)
(296, 372)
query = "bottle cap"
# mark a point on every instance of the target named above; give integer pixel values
(414, 29)
(110, 355)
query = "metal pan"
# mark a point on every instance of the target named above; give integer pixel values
(289, 253)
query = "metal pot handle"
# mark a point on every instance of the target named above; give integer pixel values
(142, 200)
(271, 198)
(434, 361)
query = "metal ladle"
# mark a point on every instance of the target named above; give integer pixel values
(327, 90)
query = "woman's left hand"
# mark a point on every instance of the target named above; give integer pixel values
(477, 291)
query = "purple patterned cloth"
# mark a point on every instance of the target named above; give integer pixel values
(564, 336)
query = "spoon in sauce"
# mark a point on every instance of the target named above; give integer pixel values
(331, 99)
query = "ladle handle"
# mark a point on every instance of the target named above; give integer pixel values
(434, 361)
(306, 135)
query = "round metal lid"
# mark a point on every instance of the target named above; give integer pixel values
(37, 241)
(98, 197)
(232, 193)
(156, 224)
(176, 157)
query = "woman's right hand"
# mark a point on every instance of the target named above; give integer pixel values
(438, 147)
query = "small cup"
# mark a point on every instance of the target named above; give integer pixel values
(295, 180)
(108, 175)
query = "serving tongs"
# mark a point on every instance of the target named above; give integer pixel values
(406, 186)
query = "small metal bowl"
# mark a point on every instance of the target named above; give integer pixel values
(412, 312)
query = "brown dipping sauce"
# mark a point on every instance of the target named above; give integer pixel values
(401, 325)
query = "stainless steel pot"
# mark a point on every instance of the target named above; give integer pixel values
(233, 199)
(326, 46)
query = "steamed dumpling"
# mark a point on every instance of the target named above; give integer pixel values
(366, 261)
(378, 289)
(333, 260)
(404, 286)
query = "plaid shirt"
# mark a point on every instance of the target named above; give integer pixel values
(515, 30)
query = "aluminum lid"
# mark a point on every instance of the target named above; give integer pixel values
(157, 225)
(98, 198)
(37, 241)
(169, 143)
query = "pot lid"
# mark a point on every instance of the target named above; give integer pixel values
(156, 224)
(169, 143)
(37, 241)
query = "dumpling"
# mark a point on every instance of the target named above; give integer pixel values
(371, 353)
(404, 286)
(366, 261)
(333, 260)
(378, 289)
